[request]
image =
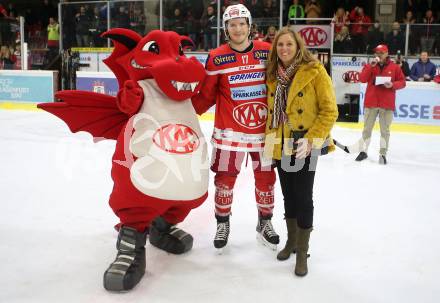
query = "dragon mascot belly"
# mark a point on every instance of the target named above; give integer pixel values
(160, 164)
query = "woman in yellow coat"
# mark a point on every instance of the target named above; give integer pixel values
(301, 112)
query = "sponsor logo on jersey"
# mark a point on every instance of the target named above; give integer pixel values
(176, 139)
(224, 59)
(261, 54)
(247, 67)
(250, 115)
(247, 77)
(248, 92)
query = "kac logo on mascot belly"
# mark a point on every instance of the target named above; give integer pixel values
(313, 36)
(176, 139)
(351, 77)
(250, 115)
(417, 111)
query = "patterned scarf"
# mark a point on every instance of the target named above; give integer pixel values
(284, 77)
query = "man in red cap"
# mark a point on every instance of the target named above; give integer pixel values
(383, 78)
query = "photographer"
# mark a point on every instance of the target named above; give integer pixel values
(400, 60)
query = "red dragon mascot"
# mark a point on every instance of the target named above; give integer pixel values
(159, 166)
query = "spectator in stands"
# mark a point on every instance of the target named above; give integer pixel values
(209, 27)
(424, 69)
(255, 33)
(427, 39)
(17, 54)
(137, 21)
(271, 33)
(343, 43)
(400, 60)
(11, 9)
(411, 20)
(3, 11)
(425, 5)
(5, 32)
(374, 37)
(82, 28)
(193, 29)
(269, 10)
(7, 57)
(312, 10)
(360, 24)
(98, 25)
(122, 19)
(53, 38)
(395, 39)
(380, 99)
(177, 22)
(296, 10)
(340, 19)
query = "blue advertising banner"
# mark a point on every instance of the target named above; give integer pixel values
(26, 86)
(104, 82)
(417, 103)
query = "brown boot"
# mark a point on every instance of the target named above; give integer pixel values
(302, 246)
(290, 247)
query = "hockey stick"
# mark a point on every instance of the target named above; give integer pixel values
(355, 148)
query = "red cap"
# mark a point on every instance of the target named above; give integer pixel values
(381, 48)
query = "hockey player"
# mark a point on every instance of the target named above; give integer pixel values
(236, 85)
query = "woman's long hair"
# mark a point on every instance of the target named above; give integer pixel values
(272, 63)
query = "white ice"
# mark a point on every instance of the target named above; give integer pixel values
(376, 232)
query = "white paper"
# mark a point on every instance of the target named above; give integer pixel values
(382, 80)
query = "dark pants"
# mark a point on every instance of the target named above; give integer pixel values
(297, 178)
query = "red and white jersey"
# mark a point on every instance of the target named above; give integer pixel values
(236, 84)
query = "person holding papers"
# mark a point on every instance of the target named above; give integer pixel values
(383, 78)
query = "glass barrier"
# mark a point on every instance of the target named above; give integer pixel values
(362, 38)
(401, 38)
(10, 47)
(139, 16)
(83, 22)
(424, 37)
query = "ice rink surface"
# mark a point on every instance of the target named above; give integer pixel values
(376, 232)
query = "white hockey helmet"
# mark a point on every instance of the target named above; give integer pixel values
(236, 11)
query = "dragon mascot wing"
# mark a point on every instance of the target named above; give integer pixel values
(97, 114)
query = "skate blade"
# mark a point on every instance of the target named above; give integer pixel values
(221, 251)
(263, 241)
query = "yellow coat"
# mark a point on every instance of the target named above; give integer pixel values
(311, 106)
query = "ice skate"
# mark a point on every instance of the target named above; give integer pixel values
(266, 233)
(222, 234)
(169, 238)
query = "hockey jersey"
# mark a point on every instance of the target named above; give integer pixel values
(236, 85)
